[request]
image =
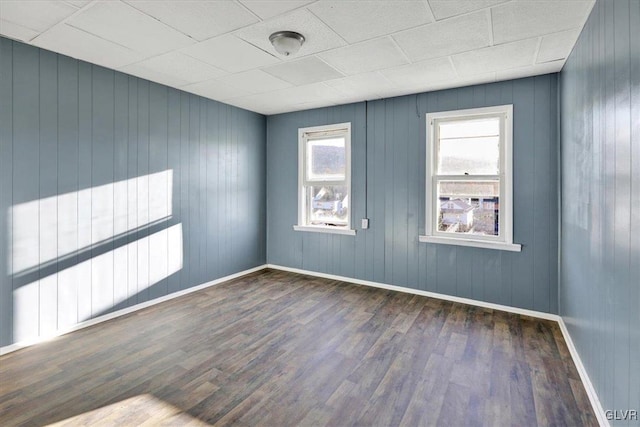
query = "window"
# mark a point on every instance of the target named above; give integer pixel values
(469, 179)
(324, 179)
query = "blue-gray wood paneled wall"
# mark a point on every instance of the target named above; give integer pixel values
(600, 256)
(115, 191)
(388, 186)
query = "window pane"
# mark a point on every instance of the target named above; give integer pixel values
(469, 207)
(327, 159)
(469, 147)
(488, 126)
(469, 156)
(328, 204)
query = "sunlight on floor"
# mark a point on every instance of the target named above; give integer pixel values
(143, 409)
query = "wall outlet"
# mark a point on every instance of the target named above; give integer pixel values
(365, 223)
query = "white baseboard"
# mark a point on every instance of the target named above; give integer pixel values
(586, 381)
(593, 397)
(104, 318)
(469, 301)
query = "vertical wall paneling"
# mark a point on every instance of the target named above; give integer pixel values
(67, 156)
(158, 189)
(26, 191)
(395, 171)
(48, 202)
(84, 163)
(185, 114)
(174, 118)
(202, 184)
(544, 156)
(102, 191)
(213, 128)
(194, 199)
(221, 182)
(600, 140)
(142, 179)
(132, 191)
(523, 287)
(634, 245)
(6, 185)
(120, 191)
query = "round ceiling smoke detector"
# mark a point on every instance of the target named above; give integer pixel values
(286, 42)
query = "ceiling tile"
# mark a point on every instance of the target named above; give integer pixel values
(215, 89)
(255, 81)
(361, 20)
(468, 81)
(362, 85)
(421, 73)
(173, 69)
(303, 71)
(531, 70)
(355, 50)
(444, 38)
(78, 3)
(290, 99)
(495, 58)
(318, 36)
(367, 56)
(35, 15)
(258, 103)
(16, 31)
(82, 45)
(557, 46)
(446, 8)
(520, 20)
(198, 19)
(266, 9)
(122, 24)
(450, 83)
(231, 54)
(153, 75)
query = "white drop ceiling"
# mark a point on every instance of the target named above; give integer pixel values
(355, 49)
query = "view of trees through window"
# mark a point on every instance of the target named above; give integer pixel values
(327, 159)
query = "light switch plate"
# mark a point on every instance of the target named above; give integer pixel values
(365, 223)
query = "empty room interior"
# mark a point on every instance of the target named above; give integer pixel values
(308, 213)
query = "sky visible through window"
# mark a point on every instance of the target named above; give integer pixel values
(469, 147)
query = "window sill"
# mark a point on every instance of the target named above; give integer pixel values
(512, 247)
(321, 229)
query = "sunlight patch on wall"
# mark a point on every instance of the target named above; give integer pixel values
(93, 286)
(49, 228)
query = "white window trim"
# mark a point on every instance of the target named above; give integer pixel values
(503, 242)
(302, 143)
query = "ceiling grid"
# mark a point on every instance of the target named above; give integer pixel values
(355, 50)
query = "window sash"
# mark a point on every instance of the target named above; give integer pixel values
(342, 130)
(505, 232)
(436, 138)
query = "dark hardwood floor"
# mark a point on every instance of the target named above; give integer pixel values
(280, 349)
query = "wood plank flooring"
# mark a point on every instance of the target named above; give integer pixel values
(280, 349)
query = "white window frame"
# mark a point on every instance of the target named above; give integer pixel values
(321, 132)
(504, 241)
